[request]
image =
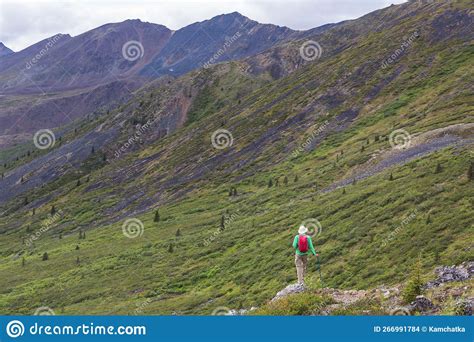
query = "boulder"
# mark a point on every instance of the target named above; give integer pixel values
(422, 304)
(290, 289)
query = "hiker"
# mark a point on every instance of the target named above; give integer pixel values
(303, 245)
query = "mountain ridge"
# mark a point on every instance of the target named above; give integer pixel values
(207, 213)
(99, 57)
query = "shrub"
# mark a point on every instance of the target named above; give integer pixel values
(295, 305)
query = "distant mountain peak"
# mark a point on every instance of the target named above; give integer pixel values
(5, 50)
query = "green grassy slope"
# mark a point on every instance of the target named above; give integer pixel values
(188, 181)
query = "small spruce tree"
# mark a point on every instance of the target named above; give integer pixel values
(222, 222)
(414, 285)
(470, 171)
(45, 256)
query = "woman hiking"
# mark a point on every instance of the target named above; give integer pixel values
(303, 245)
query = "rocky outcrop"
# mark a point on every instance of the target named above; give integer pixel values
(447, 274)
(423, 305)
(463, 307)
(290, 289)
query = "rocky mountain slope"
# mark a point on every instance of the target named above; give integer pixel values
(5, 50)
(371, 143)
(60, 76)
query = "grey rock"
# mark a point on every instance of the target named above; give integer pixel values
(422, 304)
(446, 274)
(463, 307)
(290, 289)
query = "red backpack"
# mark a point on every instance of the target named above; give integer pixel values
(303, 243)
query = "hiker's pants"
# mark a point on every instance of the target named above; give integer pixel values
(301, 261)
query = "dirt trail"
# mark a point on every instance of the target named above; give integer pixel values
(424, 144)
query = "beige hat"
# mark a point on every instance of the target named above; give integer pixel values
(302, 230)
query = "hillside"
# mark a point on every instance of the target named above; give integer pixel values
(63, 78)
(312, 141)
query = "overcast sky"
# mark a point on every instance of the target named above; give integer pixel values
(25, 22)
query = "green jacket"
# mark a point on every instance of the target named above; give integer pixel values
(310, 245)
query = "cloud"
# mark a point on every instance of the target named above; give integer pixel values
(25, 22)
